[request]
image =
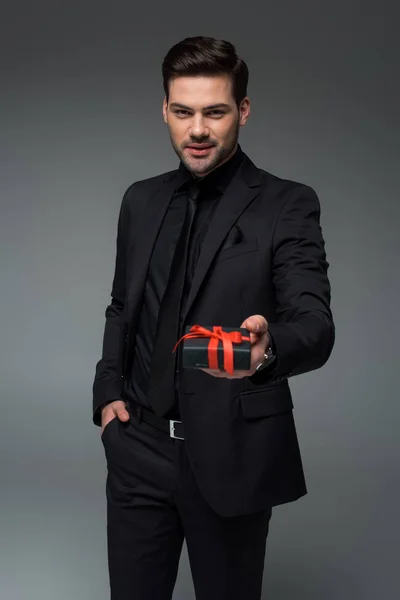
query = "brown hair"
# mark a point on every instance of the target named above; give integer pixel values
(206, 56)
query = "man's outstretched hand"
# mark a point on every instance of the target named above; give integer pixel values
(257, 325)
(115, 409)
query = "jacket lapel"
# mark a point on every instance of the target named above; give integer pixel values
(145, 234)
(243, 188)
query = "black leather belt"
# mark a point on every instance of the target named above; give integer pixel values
(173, 428)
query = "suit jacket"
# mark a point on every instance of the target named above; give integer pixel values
(263, 253)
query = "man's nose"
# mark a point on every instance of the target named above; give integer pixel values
(198, 128)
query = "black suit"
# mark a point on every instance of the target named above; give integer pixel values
(263, 254)
(157, 306)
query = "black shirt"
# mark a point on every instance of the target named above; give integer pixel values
(211, 187)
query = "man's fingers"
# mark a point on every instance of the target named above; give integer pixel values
(256, 324)
(114, 410)
(123, 415)
(225, 375)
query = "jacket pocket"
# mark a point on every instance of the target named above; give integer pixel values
(108, 427)
(249, 245)
(266, 402)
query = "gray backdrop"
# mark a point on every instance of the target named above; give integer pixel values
(80, 120)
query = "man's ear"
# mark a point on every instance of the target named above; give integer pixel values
(244, 111)
(165, 110)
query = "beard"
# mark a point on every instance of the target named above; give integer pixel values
(200, 166)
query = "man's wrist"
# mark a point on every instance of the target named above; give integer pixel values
(269, 355)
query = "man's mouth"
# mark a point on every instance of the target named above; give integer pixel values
(199, 149)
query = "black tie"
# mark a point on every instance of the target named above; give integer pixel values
(161, 395)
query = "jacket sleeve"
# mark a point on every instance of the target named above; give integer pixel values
(303, 330)
(109, 370)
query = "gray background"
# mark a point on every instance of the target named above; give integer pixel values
(80, 120)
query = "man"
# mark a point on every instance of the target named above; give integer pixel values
(203, 455)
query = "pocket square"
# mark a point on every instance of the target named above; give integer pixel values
(234, 237)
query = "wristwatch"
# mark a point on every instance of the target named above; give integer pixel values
(269, 358)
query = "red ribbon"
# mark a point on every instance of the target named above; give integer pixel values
(228, 338)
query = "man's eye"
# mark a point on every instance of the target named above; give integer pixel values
(181, 112)
(216, 113)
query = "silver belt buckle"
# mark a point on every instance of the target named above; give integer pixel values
(172, 430)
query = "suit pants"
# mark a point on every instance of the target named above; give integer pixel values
(153, 505)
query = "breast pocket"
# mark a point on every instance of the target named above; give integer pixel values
(244, 247)
(266, 401)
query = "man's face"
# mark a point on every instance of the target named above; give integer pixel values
(203, 121)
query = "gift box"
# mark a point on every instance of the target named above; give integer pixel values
(216, 347)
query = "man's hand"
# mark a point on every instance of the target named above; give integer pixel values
(257, 325)
(115, 409)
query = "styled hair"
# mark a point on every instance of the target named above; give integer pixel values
(206, 56)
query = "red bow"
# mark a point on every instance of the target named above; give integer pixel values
(227, 338)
